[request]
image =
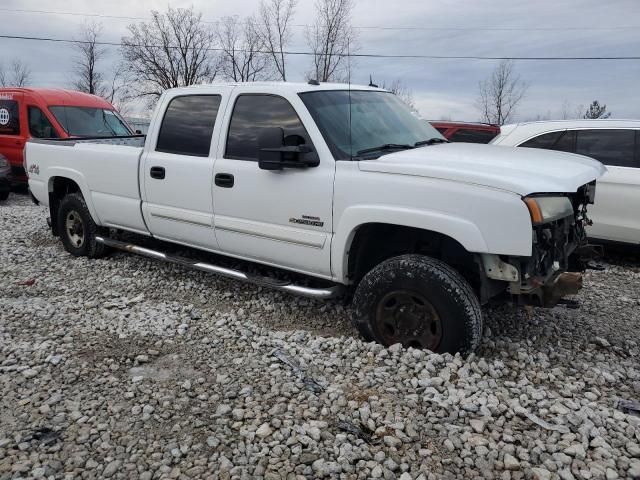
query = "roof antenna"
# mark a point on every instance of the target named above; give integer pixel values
(371, 84)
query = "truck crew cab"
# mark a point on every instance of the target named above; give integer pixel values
(337, 182)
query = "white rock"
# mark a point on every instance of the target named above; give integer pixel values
(576, 450)
(111, 468)
(391, 441)
(559, 409)
(510, 462)
(541, 474)
(633, 448)
(264, 430)
(478, 426)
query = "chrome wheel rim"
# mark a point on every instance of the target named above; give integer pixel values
(75, 229)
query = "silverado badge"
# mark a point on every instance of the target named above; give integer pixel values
(307, 220)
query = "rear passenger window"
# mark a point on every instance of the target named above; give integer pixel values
(472, 136)
(187, 126)
(543, 141)
(563, 141)
(39, 124)
(251, 115)
(566, 142)
(611, 147)
(9, 118)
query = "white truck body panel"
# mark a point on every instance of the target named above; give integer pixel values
(522, 172)
(467, 192)
(106, 174)
(615, 214)
(253, 219)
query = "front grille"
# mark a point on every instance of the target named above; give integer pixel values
(555, 242)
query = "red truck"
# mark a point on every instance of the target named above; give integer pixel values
(468, 132)
(52, 113)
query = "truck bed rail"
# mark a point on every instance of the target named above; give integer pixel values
(128, 140)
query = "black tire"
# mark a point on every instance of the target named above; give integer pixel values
(420, 302)
(77, 229)
(4, 195)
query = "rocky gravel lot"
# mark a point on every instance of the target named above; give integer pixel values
(126, 368)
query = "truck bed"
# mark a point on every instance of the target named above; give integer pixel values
(106, 169)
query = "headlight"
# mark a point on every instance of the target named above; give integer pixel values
(3, 162)
(548, 209)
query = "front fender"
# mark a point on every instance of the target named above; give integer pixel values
(460, 229)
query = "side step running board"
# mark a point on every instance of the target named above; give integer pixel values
(321, 293)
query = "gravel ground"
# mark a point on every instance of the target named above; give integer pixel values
(126, 368)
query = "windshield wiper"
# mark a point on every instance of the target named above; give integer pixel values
(431, 141)
(386, 146)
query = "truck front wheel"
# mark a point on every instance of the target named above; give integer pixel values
(77, 229)
(419, 302)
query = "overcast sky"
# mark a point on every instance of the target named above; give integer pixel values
(441, 88)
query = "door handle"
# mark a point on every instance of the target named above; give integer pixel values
(157, 172)
(224, 180)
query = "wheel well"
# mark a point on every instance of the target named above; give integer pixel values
(374, 243)
(59, 187)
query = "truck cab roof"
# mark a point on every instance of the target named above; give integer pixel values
(288, 87)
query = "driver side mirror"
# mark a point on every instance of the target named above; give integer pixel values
(277, 151)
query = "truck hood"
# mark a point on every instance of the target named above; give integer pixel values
(518, 170)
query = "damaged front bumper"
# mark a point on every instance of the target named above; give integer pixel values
(541, 291)
(549, 293)
(558, 257)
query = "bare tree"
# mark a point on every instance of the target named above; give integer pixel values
(331, 39)
(244, 56)
(88, 78)
(596, 110)
(540, 117)
(19, 75)
(568, 111)
(172, 50)
(403, 92)
(501, 93)
(274, 29)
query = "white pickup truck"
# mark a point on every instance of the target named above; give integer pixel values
(336, 182)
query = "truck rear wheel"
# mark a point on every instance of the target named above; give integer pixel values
(77, 229)
(419, 302)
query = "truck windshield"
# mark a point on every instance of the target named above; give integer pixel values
(380, 123)
(90, 122)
